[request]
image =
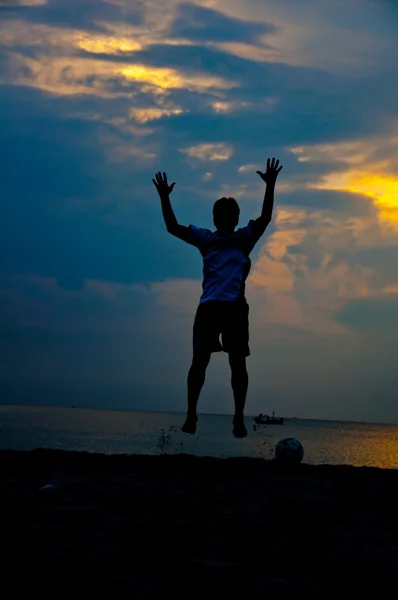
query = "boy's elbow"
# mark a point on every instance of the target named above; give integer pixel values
(173, 228)
(262, 224)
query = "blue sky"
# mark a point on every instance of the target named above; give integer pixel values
(97, 300)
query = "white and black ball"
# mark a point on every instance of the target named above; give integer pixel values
(289, 450)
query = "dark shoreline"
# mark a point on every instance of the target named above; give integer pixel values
(187, 526)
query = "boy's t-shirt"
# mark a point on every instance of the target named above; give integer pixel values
(226, 262)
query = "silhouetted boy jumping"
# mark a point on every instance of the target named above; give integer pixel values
(223, 309)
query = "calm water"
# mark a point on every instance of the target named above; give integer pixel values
(114, 432)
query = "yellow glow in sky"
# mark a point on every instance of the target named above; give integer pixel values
(383, 189)
(166, 78)
(163, 77)
(108, 45)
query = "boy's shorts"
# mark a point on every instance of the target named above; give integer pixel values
(228, 319)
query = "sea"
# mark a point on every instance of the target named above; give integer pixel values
(153, 433)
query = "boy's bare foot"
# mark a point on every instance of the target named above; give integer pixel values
(239, 429)
(190, 424)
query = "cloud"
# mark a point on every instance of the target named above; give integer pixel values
(143, 115)
(209, 152)
(79, 14)
(109, 334)
(102, 77)
(98, 96)
(4, 4)
(329, 200)
(368, 170)
(319, 35)
(379, 314)
(202, 24)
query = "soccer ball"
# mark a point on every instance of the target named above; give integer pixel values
(289, 450)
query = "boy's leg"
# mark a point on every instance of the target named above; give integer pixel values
(235, 336)
(196, 379)
(206, 331)
(239, 381)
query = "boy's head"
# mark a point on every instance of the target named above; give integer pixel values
(226, 214)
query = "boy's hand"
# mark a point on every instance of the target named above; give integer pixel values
(163, 188)
(272, 171)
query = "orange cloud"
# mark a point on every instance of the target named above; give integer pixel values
(273, 275)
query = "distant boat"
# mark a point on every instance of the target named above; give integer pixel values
(267, 420)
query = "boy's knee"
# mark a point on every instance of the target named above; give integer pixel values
(237, 362)
(200, 362)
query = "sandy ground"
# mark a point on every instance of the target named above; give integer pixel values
(188, 527)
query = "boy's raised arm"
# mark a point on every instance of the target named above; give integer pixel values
(164, 190)
(269, 176)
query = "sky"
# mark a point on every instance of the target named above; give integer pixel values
(97, 300)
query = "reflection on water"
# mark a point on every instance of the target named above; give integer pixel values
(113, 432)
